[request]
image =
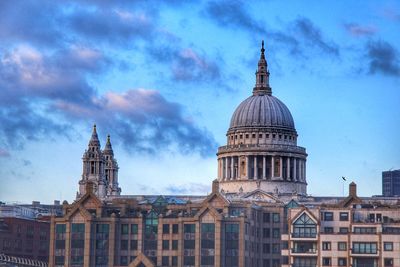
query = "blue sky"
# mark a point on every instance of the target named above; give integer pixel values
(163, 78)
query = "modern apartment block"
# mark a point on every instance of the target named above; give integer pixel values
(354, 232)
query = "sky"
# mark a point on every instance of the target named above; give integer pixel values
(164, 77)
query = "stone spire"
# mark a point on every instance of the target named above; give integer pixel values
(94, 140)
(108, 148)
(262, 75)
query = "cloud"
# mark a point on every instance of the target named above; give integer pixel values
(189, 188)
(232, 14)
(4, 153)
(383, 58)
(114, 26)
(312, 36)
(43, 95)
(186, 64)
(296, 37)
(357, 30)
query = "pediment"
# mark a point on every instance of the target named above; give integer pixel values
(208, 213)
(260, 195)
(216, 200)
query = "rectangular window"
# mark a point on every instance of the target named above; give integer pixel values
(174, 261)
(326, 261)
(266, 248)
(165, 244)
(276, 249)
(276, 233)
(124, 244)
(342, 262)
(124, 229)
(326, 245)
(344, 216)
(364, 248)
(266, 217)
(175, 228)
(165, 229)
(328, 230)
(174, 244)
(388, 246)
(328, 216)
(165, 261)
(207, 244)
(124, 261)
(276, 217)
(266, 233)
(388, 262)
(134, 244)
(342, 246)
(134, 229)
(343, 230)
(365, 230)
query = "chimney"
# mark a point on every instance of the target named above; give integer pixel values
(353, 189)
(215, 186)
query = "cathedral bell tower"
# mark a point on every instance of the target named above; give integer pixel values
(99, 168)
(111, 170)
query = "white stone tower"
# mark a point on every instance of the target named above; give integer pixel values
(111, 170)
(261, 151)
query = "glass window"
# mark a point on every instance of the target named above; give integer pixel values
(344, 216)
(165, 244)
(174, 261)
(134, 229)
(364, 248)
(174, 244)
(343, 230)
(328, 230)
(124, 261)
(326, 261)
(134, 244)
(124, 229)
(342, 261)
(175, 228)
(388, 246)
(342, 246)
(388, 262)
(165, 229)
(328, 216)
(266, 217)
(276, 233)
(124, 244)
(304, 227)
(276, 217)
(165, 261)
(326, 245)
(266, 232)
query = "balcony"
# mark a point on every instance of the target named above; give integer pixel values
(304, 235)
(311, 251)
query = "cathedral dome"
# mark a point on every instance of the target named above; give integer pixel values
(262, 110)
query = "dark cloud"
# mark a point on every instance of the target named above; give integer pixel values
(186, 64)
(357, 30)
(115, 26)
(312, 36)
(297, 37)
(383, 58)
(232, 14)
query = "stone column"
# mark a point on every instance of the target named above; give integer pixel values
(288, 168)
(281, 167)
(264, 176)
(300, 170)
(226, 168)
(232, 168)
(272, 167)
(305, 171)
(239, 169)
(247, 167)
(294, 169)
(255, 168)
